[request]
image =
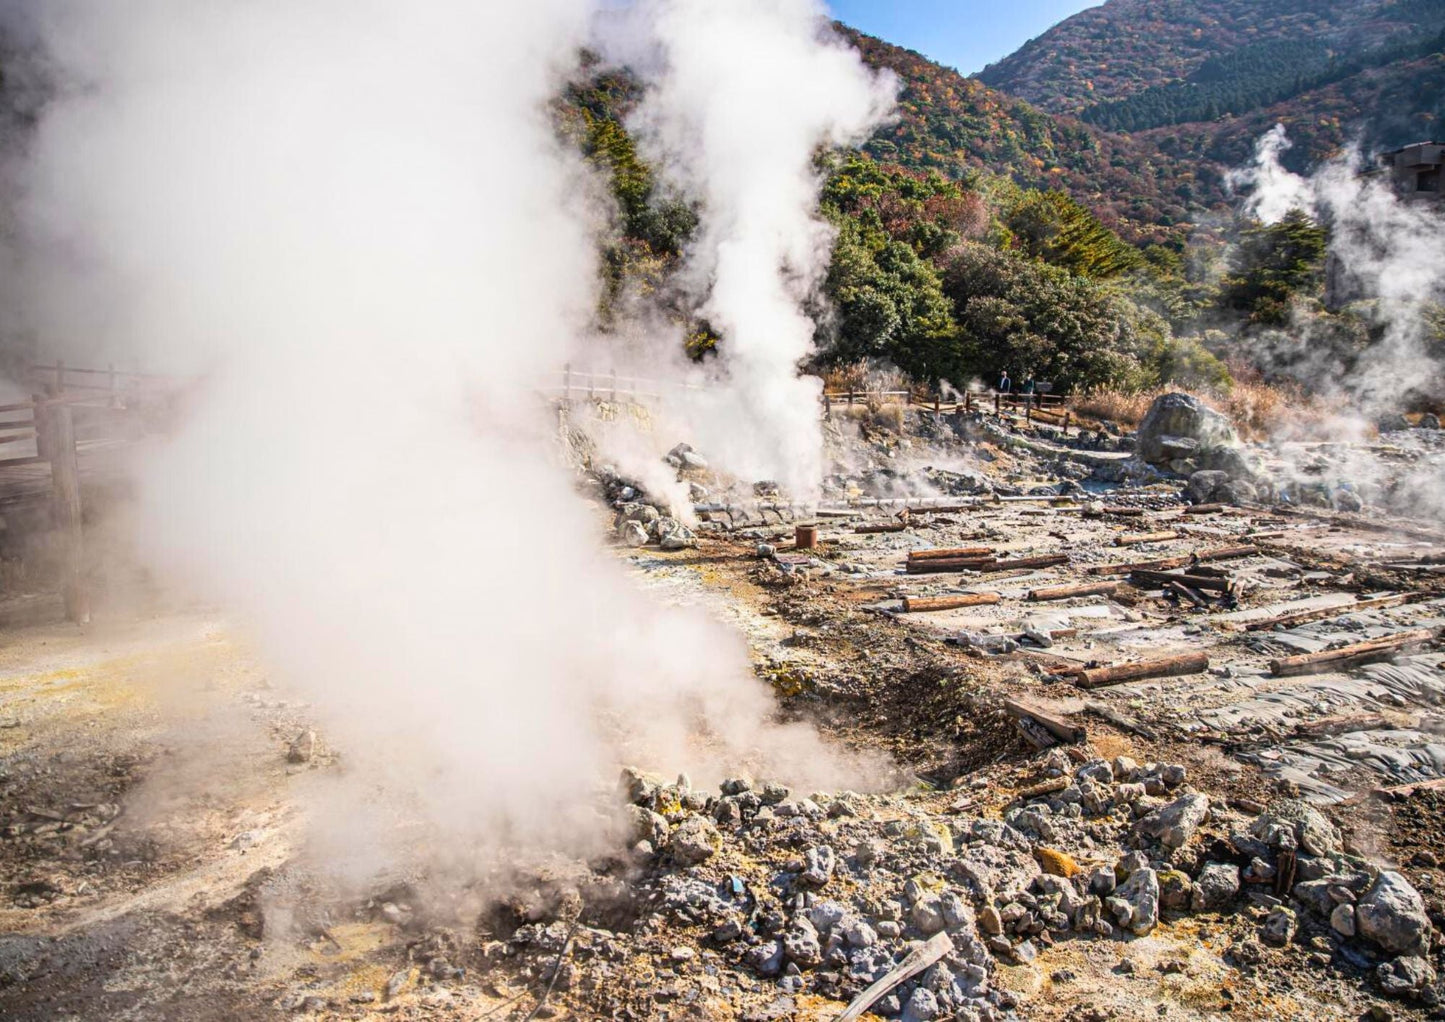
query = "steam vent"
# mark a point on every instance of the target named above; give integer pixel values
(738, 510)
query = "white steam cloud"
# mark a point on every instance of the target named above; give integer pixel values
(1389, 252)
(354, 216)
(742, 95)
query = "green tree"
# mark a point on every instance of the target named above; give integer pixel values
(1272, 266)
(1053, 227)
(1029, 317)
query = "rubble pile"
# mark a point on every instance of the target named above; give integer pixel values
(758, 893)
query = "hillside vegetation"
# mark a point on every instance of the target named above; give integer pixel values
(1203, 78)
(953, 124)
(976, 233)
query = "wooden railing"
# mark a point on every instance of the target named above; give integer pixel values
(1047, 408)
(572, 385)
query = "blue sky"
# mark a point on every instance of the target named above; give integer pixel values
(966, 34)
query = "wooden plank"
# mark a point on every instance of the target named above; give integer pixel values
(1056, 726)
(1227, 553)
(1167, 667)
(950, 553)
(915, 962)
(872, 530)
(1349, 656)
(929, 604)
(931, 567)
(1300, 617)
(59, 426)
(1150, 579)
(1042, 561)
(1135, 538)
(1070, 591)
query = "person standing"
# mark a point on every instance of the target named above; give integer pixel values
(1004, 383)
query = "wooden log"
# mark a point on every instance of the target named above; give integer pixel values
(929, 604)
(1048, 787)
(869, 530)
(950, 553)
(954, 564)
(1165, 563)
(1070, 591)
(1349, 656)
(1301, 617)
(1226, 553)
(59, 428)
(1205, 509)
(1042, 561)
(1150, 579)
(1056, 726)
(915, 962)
(1168, 667)
(1186, 593)
(1135, 538)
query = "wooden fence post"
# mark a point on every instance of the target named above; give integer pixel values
(57, 424)
(37, 416)
(567, 383)
(998, 404)
(614, 385)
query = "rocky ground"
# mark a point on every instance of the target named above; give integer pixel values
(1228, 840)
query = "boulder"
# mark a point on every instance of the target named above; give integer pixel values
(696, 840)
(1279, 926)
(818, 866)
(1428, 421)
(645, 825)
(1392, 914)
(632, 533)
(1135, 904)
(1173, 825)
(1204, 484)
(1178, 426)
(1405, 977)
(1295, 823)
(1217, 886)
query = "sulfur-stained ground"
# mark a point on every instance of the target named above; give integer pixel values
(151, 820)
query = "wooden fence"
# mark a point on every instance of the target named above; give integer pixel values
(571, 385)
(107, 401)
(1048, 408)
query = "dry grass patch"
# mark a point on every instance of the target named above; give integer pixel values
(1256, 408)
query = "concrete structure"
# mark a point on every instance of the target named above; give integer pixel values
(1415, 170)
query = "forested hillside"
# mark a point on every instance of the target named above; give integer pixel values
(955, 124)
(947, 264)
(1203, 78)
(976, 232)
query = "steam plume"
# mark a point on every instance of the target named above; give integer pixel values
(1391, 251)
(354, 217)
(743, 93)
